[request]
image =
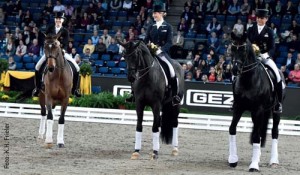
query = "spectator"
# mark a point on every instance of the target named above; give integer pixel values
(274, 28)
(119, 35)
(212, 7)
(90, 9)
(225, 41)
(294, 28)
(8, 8)
(48, 9)
(198, 75)
(189, 77)
(223, 6)
(106, 37)
(87, 57)
(26, 18)
(69, 9)
(278, 9)
(178, 40)
(143, 13)
(294, 75)
(228, 73)
(187, 14)
(293, 45)
(289, 62)
(95, 38)
(113, 48)
(70, 47)
(27, 35)
(212, 76)
(142, 35)
(199, 16)
(21, 49)
(238, 28)
(127, 6)
(74, 54)
(203, 66)
(204, 78)
(84, 22)
(219, 78)
(182, 26)
(138, 23)
(115, 5)
(11, 63)
(89, 46)
(10, 48)
(252, 16)
(214, 26)
(196, 60)
(58, 7)
(78, 61)
(289, 9)
(213, 42)
(34, 50)
(148, 22)
(285, 74)
(249, 24)
(100, 48)
(245, 8)
(192, 27)
(210, 62)
(96, 22)
(234, 8)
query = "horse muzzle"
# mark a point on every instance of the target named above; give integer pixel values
(51, 69)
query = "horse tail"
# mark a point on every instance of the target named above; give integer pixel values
(169, 120)
(264, 127)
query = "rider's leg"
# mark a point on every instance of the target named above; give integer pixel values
(38, 76)
(174, 81)
(75, 75)
(279, 86)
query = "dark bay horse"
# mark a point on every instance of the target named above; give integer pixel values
(253, 91)
(58, 84)
(150, 88)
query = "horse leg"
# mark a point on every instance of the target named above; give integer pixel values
(233, 157)
(61, 124)
(155, 130)
(138, 133)
(175, 113)
(42, 127)
(274, 152)
(256, 116)
(49, 132)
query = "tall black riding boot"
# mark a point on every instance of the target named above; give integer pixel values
(75, 84)
(175, 97)
(278, 107)
(38, 84)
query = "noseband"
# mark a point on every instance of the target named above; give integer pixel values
(243, 67)
(54, 55)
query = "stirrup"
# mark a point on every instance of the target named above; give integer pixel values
(278, 108)
(35, 92)
(176, 100)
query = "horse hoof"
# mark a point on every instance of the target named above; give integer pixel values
(41, 136)
(175, 152)
(135, 156)
(60, 145)
(274, 165)
(48, 145)
(233, 165)
(253, 170)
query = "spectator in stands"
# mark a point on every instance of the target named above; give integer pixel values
(70, 47)
(219, 78)
(131, 37)
(113, 48)
(9, 47)
(249, 24)
(143, 13)
(143, 34)
(27, 35)
(234, 8)
(238, 27)
(127, 6)
(182, 26)
(101, 11)
(199, 16)
(289, 9)
(115, 5)
(74, 54)
(119, 35)
(212, 76)
(138, 23)
(95, 22)
(89, 45)
(294, 75)
(69, 9)
(44, 25)
(294, 28)
(148, 22)
(78, 60)
(293, 45)
(209, 61)
(278, 9)
(225, 41)
(259, 4)
(11, 63)
(188, 3)
(178, 40)
(90, 9)
(8, 8)
(204, 78)
(189, 77)
(58, 7)
(95, 38)
(100, 48)
(274, 28)
(84, 22)
(252, 16)
(20, 37)
(106, 37)
(198, 74)
(21, 49)
(285, 74)
(213, 42)
(223, 7)
(245, 8)
(289, 62)
(228, 73)
(214, 26)
(2, 16)
(190, 67)
(196, 60)
(48, 9)
(212, 7)
(26, 18)
(187, 14)
(87, 56)
(192, 27)
(34, 50)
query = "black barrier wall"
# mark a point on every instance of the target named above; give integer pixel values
(199, 97)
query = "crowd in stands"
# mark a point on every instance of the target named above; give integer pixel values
(201, 37)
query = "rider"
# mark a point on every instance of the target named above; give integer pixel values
(63, 39)
(263, 36)
(160, 34)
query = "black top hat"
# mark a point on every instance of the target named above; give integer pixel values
(159, 8)
(262, 13)
(60, 15)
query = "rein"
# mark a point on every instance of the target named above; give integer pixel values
(57, 55)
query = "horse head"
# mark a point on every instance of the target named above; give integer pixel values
(52, 50)
(241, 52)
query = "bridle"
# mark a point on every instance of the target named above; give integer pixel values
(54, 55)
(243, 67)
(141, 68)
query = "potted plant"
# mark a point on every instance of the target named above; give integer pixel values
(119, 102)
(86, 69)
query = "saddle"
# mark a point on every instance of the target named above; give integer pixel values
(167, 75)
(270, 73)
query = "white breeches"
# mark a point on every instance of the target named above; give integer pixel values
(273, 66)
(171, 68)
(66, 56)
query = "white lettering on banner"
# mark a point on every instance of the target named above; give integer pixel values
(209, 98)
(121, 90)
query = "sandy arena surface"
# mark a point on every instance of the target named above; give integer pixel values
(96, 148)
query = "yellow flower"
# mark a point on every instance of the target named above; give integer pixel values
(35, 98)
(70, 100)
(5, 97)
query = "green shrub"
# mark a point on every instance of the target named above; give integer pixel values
(86, 69)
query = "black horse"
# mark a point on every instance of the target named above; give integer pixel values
(150, 87)
(253, 91)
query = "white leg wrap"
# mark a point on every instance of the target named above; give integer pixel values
(49, 132)
(40, 62)
(60, 134)
(274, 152)
(271, 63)
(175, 138)
(138, 141)
(255, 156)
(69, 58)
(42, 128)
(233, 157)
(155, 136)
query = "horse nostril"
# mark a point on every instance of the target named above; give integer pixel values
(51, 69)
